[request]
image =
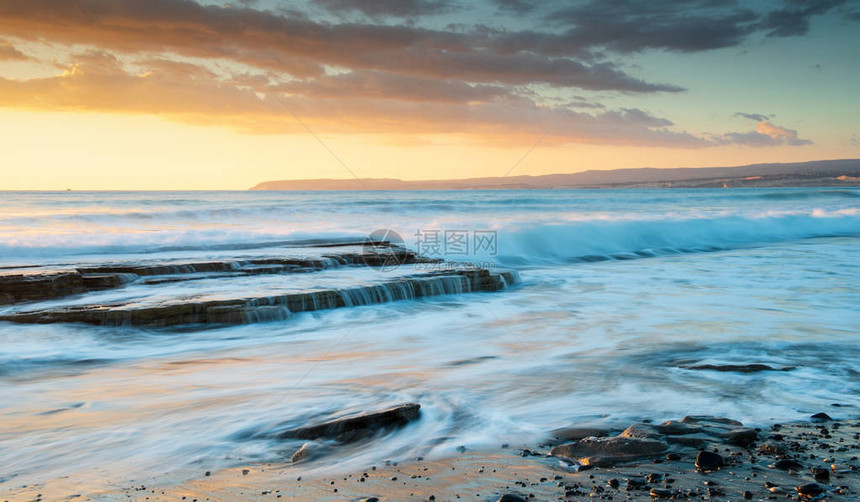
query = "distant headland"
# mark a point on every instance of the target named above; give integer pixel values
(821, 173)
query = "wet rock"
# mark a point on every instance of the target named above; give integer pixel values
(674, 428)
(771, 449)
(355, 427)
(821, 417)
(810, 489)
(673, 456)
(661, 493)
(786, 464)
(707, 461)
(741, 436)
(642, 431)
(748, 495)
(512, 497)
(707, 419)
(608, 451)
(577, 433)
(737, 368)
(821, 474)
(613, 483)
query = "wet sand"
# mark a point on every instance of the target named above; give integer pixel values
(822, 455)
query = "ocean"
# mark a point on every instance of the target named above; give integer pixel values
(603, 307)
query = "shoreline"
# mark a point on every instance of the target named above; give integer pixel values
(816, 459)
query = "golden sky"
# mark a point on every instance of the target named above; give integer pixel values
(178, 94)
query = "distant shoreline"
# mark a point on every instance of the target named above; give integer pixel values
(821, 174)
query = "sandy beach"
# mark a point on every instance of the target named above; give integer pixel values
(808, 460)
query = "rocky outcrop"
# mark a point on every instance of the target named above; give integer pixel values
(645, 440)
(593, 451)
(271, 308)
(358, 426)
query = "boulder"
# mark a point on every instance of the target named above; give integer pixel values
(358, 426)
(607, 451)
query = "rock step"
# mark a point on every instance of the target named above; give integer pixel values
(17, 288)
(272, 308)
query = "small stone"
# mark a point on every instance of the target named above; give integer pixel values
(661, 493)
(821, 474)
(673, 456)
(613, 483)
(810, 489)
(207, 473)
(245, 472)
(708, 461)
(787, 464)
(821, 417)
(511, 497)
(748, 495)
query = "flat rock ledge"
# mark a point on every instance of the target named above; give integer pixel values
(272, 308)
(643, 440)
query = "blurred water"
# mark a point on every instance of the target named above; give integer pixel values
(688, 277)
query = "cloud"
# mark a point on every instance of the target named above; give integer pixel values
(766, 134)
(10, 53)
(794, 19)
(627, 26)
(243, 67)
(753, 116)
(390, 8)
(518, 7)
(854, 140)
(193, 94)
(304, 48)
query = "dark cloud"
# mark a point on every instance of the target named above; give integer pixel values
(753, 116)
(520, 7)
(303, 48)
(390, 8)
(793, 20)
(687, 26)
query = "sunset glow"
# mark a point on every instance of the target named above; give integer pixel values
(222, 95)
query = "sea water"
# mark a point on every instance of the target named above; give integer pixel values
(621, 293)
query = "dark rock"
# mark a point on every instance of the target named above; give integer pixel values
(821, 417)
(707, 419)
(613, 483)
(512, 497)
(771, 449)
(810, 489)
(608, 451)
(748, 495)
(786, 464)
(708, 461)
(661, 493)
(353, 428)
(673, 456)
(737, 368)
(740, 436)
(821, 474)
(577, 433)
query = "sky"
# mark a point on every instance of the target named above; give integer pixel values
(222, 94)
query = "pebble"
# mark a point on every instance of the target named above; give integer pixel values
(511, 497)
(821, 474)
(787, 464)
(748, 495)
(661, 493)
(810, 489)
(708, 461)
